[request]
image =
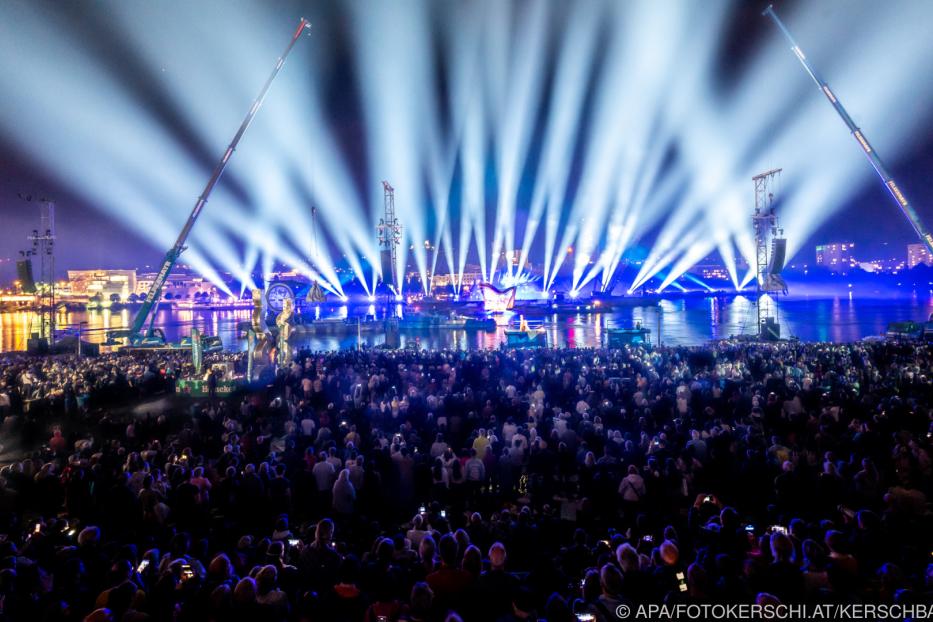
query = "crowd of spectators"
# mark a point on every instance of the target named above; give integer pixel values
(66, 383)
(552, 484)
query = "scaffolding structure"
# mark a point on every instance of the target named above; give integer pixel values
(390, 232)
(767, 232)
(390, 237)
(43, 249)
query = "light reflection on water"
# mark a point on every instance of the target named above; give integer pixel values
(687, 321)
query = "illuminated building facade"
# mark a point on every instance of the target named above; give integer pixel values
(836, 256)
(918, 254)
(106, 283)
(179, 286)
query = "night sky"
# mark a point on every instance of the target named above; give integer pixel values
(89, 237)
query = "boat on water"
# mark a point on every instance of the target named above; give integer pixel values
(416, 321)
(209, 343)
(621, 337)
(451, 321)
(526, 336)
(480, 323)
(372, 324)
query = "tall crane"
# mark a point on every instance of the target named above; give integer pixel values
(151, 302)
(909, 212)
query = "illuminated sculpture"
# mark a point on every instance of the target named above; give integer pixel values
(257, 312)
(497, 300)
(284, 323)
(316, 294)
(526, 336)
(257, 337)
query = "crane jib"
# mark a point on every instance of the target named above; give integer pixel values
(155, 290)
(909, 212)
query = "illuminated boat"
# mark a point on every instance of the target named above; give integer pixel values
(535, 338)
(209, 343)
(433, 320)
(526, 336)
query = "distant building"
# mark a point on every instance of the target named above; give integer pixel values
(892, 265)
(515, 257)
(104, 282)
(178, 286)
(836, 256)
(714, 273)
(445, 280)
(710, 269)
(918, 254)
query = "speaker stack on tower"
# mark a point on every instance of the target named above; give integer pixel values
(770, 329)
(388, 270)
(775, 282)
(778, 253)
(24, 274)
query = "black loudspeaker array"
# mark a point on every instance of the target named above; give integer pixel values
(388, 270)
(24, 274)
(778, 255)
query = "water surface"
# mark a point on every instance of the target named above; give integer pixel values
(687, 321)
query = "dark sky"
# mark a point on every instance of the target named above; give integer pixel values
(89, 238)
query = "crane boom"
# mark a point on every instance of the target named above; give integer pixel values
(155, 291)
(909, 212)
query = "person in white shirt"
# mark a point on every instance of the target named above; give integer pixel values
(508, 431)
(475, 469)
(520, 440)
(538, 396)
(416, 534)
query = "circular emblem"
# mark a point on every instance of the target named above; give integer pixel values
(276, 295)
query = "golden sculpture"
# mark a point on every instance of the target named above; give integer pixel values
(257, 311)
(284, 323)
(258, 339)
